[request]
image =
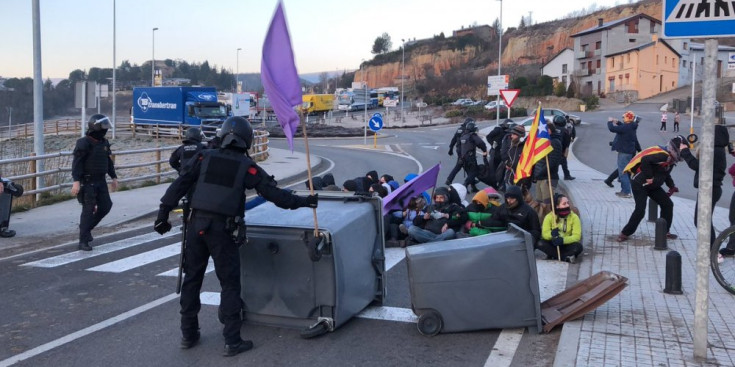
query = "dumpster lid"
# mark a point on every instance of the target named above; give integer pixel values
(581, 298)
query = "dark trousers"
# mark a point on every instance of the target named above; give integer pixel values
(455, 170)
(614, 175)
(471, 169)
(663, 126)
(96, 203)
(676, 126)
(731, 242)
(716, 195)
(565, 167)
(6, 203)
(641, 195)
(572, 249)
(206, 236)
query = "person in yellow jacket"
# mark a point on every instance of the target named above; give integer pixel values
(566, 234)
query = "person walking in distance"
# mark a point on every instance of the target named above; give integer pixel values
(454, 145)
(92, 161)
(664, 117)
(649, 170)
(677, 119)
(625, 144)
(216, 227)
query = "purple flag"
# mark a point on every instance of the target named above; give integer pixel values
(398, 199)
(279, 76)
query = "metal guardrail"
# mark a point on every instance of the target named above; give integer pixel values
(130, 166)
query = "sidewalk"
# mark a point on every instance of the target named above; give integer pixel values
(61, 220)
(642, 326)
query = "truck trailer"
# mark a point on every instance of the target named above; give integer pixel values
(316, 103)
(178, 106)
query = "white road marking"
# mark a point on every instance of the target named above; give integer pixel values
(434, 147)
(175, 271)
(86, 331)
(505, 348)
(393, 256)
(71, 257)
(389, 314)
(132, 262)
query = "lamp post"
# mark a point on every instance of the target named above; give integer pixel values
(403, 72)
(114, 63)
(500, 56)
(153, 59)
(237, 72)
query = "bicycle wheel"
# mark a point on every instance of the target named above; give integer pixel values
(723, 267)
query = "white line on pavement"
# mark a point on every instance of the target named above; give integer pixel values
(71, 257)
(138, 260)
(393, 256)
(505, 348)
(86, 331)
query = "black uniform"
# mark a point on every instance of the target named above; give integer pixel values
(454, 145)
(218, 205)
(184, 153)
(6, 202)
(92, 161)
(495, 138)
(469, 143)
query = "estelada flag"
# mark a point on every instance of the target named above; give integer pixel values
(537, 146)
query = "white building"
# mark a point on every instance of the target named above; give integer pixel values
(560, 67)
(692, 53)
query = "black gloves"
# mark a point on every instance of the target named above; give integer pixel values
(161, 224)
(450, 153)
(557, 241)
(312, 201)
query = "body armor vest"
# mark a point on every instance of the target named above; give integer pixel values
(97, 158)
(221, 185)
(467, 145)
(188, 151)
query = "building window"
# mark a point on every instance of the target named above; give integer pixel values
(585, 47)
(656, 59)
(612, 84)
(564, 68)
(672, 84)
(631, 40)
(612, 62)
(673, 61)
(628, 57)
(582, 65)
(686, 46)
(653, 27)
(598, 45)
(598, 64)
(666, 60)
(683, 63)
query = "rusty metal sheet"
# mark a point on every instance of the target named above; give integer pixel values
(581, 298)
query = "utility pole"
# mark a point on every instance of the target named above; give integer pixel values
(153, 58)
(500, 56)
(114, 66)
(38, 94)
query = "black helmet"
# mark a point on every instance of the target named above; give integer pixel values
(236, 132)
(505, 123)
(470, 127)
(467, 121)
(98, 122)
(193, 134)
(560, 121)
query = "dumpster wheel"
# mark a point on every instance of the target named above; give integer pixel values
(430, 323)
(320, 328)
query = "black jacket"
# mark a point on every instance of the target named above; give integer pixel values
(524, 217)
(555, 159)
(626, 137)
(457, 218)
(722, 138)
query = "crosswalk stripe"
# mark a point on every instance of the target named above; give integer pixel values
(71, 257)
(139, 260)
(175, 271)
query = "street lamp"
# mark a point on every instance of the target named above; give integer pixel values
(153, 59)
(403, 72)
(500, 56)
(237, 72)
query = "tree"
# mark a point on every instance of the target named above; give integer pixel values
(496, 27)
(523, 23)
(572, 90)
(560, 89)
(382, 44)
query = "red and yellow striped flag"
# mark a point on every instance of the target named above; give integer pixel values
(537, 146)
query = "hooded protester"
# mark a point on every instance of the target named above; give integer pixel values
(349, 186)
(510, 154)
(483, 215)
(516, 211)
(441, 220)
(649, 170)
(328, 183)
(316, 181)
(458, 194)
(561, 229)
(373, 176)
(425, 194)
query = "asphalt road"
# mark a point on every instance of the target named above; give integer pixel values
(592, 146)
(64, 307)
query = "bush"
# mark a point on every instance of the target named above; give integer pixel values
(561, 89)
(592, 102)
(572, 90)
(518, 112)
(454, 113)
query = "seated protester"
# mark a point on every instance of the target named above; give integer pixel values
(386, 178)
(378, 189)
(328, 183)
(458, 194)
(402, 220)
(387, 187)
(541, 208)
(316, 181)
(516, 211)
(410, 177)
(373, 177)
(566, 233)
(483, 216)
(349, 186)
(441, 220)
(394, 185)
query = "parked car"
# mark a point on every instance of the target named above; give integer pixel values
(462, 102)
(491, 105)
(549, 113)
(478, 103)
(503, 110)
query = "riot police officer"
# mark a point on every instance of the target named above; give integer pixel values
(92, 161)
(192, 145)
(216, 227)
(454, 145)
(469, 143)
(566, 140)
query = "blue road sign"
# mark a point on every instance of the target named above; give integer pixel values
(697, 18)
(376, 122)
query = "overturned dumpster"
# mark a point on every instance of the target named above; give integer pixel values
(290, 278)
(491, 282)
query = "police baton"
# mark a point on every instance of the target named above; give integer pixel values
(184, 226)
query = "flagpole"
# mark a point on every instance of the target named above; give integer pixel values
(553, 210)
(308, 171)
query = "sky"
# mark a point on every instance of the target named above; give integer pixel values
(326, 35)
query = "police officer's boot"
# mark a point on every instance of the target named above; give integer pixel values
(237, 348)
(188, 341)
(6, 233)
(84, 246)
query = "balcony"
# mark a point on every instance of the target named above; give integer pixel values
(597, 52)
(582, 73)
(583, 54)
